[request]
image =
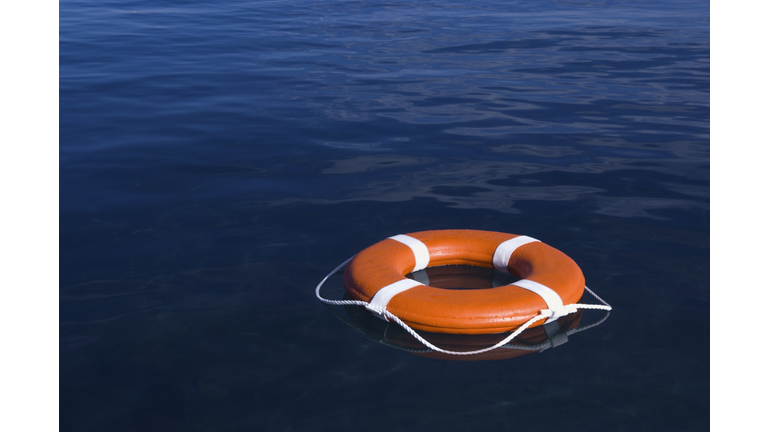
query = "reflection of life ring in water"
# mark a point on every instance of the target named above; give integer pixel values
(531, 340)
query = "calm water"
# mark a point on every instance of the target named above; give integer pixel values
(218, 159)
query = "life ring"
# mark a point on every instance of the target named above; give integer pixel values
(550, 281)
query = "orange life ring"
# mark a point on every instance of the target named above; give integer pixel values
(549, 280)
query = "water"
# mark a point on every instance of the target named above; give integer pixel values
(217, 160)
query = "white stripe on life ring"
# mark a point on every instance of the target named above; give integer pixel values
(379, 301)
(420, 251)
(506, 249)
(550, 296)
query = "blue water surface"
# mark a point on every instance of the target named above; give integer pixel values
(217, 159)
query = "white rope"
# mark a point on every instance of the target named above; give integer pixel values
(337, 302)
(543, 314)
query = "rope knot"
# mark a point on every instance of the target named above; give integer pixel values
(554, 314)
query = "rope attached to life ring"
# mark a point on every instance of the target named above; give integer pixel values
(543, 314)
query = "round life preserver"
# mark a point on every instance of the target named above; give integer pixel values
(550, 280)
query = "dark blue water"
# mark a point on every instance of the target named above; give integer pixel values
(218, 159)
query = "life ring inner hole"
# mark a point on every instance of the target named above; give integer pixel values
(462, 277)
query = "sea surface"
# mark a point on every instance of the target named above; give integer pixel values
(218, 159)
